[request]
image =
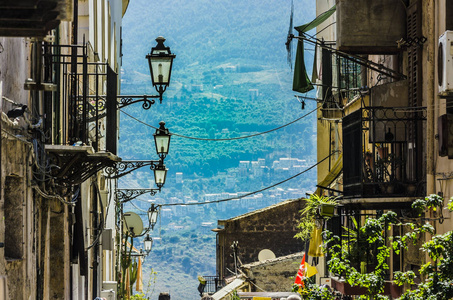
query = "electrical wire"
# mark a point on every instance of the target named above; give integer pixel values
(138, 208)
(12, 101)
(225, 139)
(47, 196)
(252, 193)
(101, 225)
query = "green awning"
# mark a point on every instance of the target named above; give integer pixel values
(301, 81)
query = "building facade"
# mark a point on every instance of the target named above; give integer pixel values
(59, 62)
(383, 76)
(272, 228)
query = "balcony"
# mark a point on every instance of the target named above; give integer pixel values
(341, 85)
(76, 110)
(213, 284)
(383, 153)
(32, 18)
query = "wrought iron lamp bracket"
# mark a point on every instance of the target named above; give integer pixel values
(148, 101)
(121, 168)
(126, 195)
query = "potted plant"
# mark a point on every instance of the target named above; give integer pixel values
(327, 209)
(316, 207)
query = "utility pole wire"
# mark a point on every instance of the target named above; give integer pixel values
(255, 192)
(226, 139)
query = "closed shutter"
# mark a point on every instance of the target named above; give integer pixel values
(352, 153)
(414, 31)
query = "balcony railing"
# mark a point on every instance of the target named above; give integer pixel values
(341, 82)
(78, 101)
(75, 110)
(383, 152)
(213, 284)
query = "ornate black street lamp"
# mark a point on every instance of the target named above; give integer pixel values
(162, 143)
(160, 174)
(160, 63)
(162, 140)
(148, 243)
(126, 195)
(153, 212)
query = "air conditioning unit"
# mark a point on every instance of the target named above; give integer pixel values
(445, 64)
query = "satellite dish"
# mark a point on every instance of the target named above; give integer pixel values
(132, 223)
(265, 254)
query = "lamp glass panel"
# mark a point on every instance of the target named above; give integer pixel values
(148, 243)
(152, 215)
(160, 69)
(162, 143)
(160, 176)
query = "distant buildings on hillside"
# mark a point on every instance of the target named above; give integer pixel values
(285, 166)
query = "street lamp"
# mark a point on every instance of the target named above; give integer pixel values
(162, 140)
(160, 62)
(152, 215)
(160, 174)
(148, 243)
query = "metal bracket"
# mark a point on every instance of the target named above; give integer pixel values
(126, 195)
(148, 101)
(121, 168)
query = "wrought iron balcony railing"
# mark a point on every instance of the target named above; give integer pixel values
(213, 284)
(384, 153)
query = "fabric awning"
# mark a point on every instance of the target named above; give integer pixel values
(301, 81)
(317, 21)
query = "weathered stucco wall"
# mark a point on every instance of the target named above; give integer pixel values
(18, 256)
(370, 26)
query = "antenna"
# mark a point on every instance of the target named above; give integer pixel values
(266, 254)
(132, 223)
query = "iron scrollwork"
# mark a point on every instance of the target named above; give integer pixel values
(121, 168)
(126, 195)
(148, 101)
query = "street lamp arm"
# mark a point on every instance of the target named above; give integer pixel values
(121, 168)
(126, 195)
(148, 101)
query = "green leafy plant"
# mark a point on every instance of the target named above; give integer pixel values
(312, 291)
(373, 281)
(138, 296)
(430, 202)
(355, 246)
(437, 274)
(235, 296)
(309, 214)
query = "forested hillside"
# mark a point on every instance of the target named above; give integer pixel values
(230, 79)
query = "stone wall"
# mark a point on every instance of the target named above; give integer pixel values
(271, 228)
(275, 275)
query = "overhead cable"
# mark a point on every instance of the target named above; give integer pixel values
(252, 193)
(225, 139)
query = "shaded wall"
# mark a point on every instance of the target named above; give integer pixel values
(272, 228)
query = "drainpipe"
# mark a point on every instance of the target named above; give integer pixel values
(429, 58)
